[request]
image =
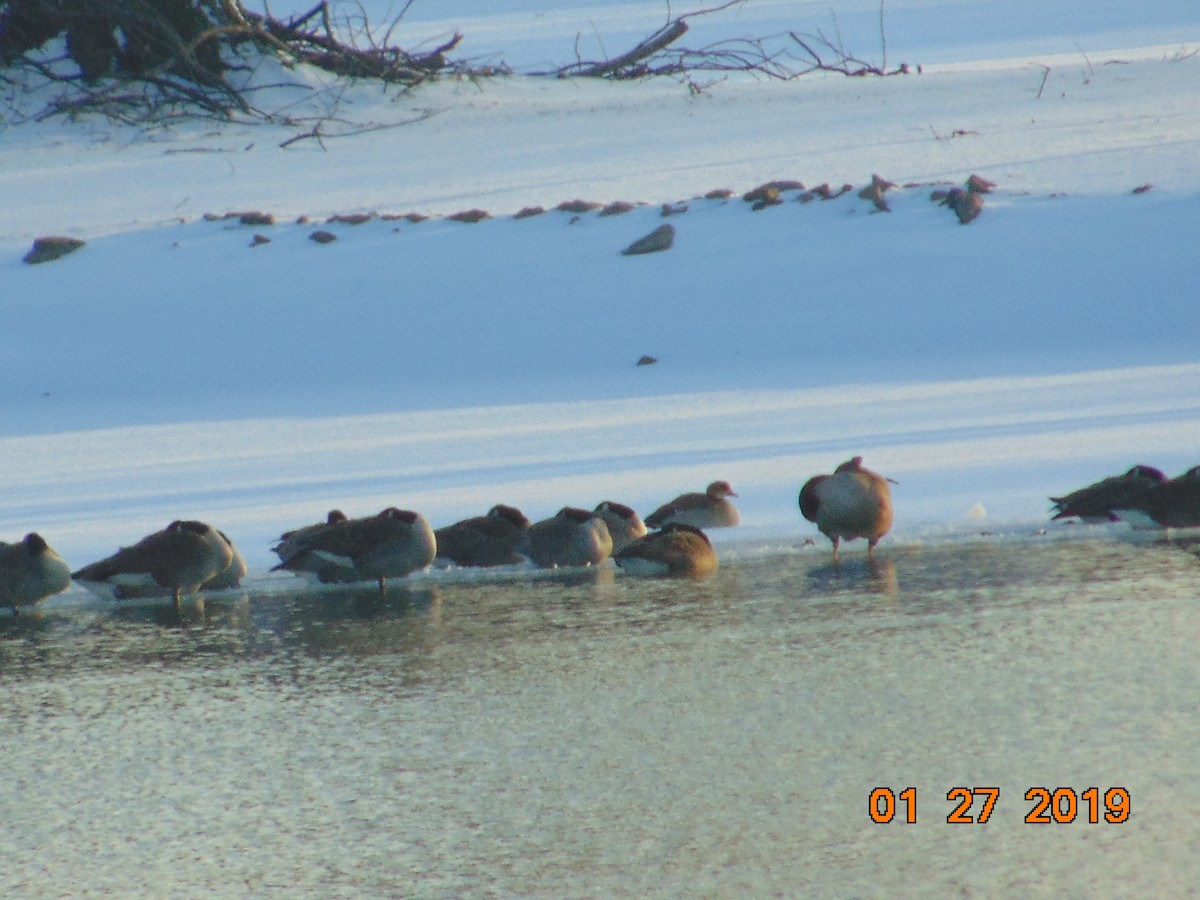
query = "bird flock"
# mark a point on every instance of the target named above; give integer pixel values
(850, 503)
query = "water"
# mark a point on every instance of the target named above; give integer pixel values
(592, 735)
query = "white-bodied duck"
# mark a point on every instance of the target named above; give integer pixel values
(624, 524)
(712, 509)
(852, 502)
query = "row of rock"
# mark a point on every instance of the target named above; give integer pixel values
(966, 202)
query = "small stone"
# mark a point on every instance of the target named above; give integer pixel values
(529, 212)
(257, 219)
(259, 239)
(1143, 188)
(47, 249)
(719, 194)
(647, 361)
(661, 238)
(414, 217)
(322, 237)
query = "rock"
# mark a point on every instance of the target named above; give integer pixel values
(528, 212)
(825, 192)
(351, 218)
(875, 191)
(258, 219)
(980, 185)
(618, 208)
(647, 361)
(966, 204)
(764, 192)
(661, 238)
(322, 237)
(470, 216)
(1143, 188)
(673, 209)
(259, 239)
(719, 194)
(771, 191)
(577, 206)
(47, 249)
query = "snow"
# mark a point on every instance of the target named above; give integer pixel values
(169, 369)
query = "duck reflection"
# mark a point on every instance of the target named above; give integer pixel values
(226, 610)
(357, 620)
(876, 576)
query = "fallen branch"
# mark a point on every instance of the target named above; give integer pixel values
(665, 36)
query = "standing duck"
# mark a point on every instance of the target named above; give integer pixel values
(390, 544)
(30, 571)
(182, 557)
(678, 550)
(624, 524)
(851, 503)
(489, 540)
(571, 537)
(1104, 500)
(711, 509)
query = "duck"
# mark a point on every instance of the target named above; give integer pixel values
(488, 540)
(30, 571)
(624, 524)
(390, 544)
(182, 557)
(571, 537)
(234, 572)
(711, 509)
(679, 550)
(291, 541)
(852, 502)
(1105, 500)
(1175, 503)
